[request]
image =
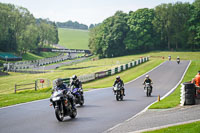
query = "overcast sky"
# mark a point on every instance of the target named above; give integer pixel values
(84, 11)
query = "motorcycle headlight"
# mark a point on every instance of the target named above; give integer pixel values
(55, 98)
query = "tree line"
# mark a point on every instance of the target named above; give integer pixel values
(166, 27)
(21, 32)
(74, 25)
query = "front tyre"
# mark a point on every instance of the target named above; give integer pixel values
(82, 101)
(117, 96)
(59, 115)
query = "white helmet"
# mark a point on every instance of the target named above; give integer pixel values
(147, 76)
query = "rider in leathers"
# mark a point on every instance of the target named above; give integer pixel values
(148, 80)
(118, 80)
(76, 82)
(61, 86)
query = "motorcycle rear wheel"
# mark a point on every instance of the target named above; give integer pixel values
(74, 113)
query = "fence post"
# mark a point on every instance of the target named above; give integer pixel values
(35, 85)
(15, 88)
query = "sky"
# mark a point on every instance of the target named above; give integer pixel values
(84, 11)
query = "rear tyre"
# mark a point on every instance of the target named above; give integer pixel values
(74, 113)
(122, 97)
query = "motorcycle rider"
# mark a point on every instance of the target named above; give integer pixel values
(76, 82)
(178, 59)
(118, 80)
(169, 57)
(196, 81)
(61, 86)
(148, 80)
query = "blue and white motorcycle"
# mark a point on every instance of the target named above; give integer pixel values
(78, 94)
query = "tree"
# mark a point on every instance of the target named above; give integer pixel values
(140, 35)
(106, 40)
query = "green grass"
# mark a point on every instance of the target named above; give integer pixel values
(73, 39)
(31, 56)
(185, 128)
(24, 96)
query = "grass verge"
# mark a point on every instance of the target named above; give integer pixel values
(185, 128)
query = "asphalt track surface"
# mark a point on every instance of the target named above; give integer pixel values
(101, 110)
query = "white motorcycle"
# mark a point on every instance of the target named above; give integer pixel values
(118, 91)
(148, 89)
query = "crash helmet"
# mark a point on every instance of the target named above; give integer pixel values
(118, 77)
(147, 76)
(59, 82)
(74, 77)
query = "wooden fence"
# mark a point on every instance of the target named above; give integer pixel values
(27, 86)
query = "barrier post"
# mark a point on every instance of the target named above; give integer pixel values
(116, 70)
(109, 72)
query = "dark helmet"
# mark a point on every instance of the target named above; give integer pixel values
(74, 77)
(59, 82)
(118, 77)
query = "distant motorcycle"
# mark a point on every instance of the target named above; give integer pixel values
(62, 105)
(118, 92)
(178, 61)
(147, 89)
(78, 94)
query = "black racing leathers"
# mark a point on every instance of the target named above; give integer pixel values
(121, 84)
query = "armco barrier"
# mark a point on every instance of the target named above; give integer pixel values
(102, 74)
(86, 78)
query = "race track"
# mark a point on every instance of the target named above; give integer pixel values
(101, 110)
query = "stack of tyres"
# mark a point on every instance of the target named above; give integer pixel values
(190, 92)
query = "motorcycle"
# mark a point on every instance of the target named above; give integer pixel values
(62, 105)
(147, 89)
(178, 61)
(78, 94)
(118, 92)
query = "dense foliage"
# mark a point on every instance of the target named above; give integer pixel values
(72, 25)
(166, 27)
(21, 32)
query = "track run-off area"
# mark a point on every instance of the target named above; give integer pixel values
(101, 110)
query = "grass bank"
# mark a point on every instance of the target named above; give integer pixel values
(73, 39)
(185, 128)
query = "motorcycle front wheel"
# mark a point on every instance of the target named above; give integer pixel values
(59, 115)
(82, 101)
(117, 97)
